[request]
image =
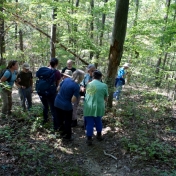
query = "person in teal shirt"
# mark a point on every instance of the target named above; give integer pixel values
(94, 106)
(6, 88)
(120, 80)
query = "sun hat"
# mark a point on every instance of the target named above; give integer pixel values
(126, 65)
(68, 73)
(26, 66)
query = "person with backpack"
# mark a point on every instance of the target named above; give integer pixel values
(68, 94)
(46, 85)
(94, 106)
(7, 81)
(120, 80)
(25, 84)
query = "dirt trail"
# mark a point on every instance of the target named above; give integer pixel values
(93, 158)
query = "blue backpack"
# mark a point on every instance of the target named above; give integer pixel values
(46, 84)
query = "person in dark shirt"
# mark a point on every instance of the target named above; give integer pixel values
(25, 84)
(69, 66)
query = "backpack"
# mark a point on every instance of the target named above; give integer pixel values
(2, 73)
(46, 84)
(119, 79)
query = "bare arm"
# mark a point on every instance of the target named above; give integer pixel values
(74, 99)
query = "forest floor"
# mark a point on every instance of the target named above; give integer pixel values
(139, 132)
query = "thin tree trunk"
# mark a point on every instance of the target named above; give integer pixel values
(2, 36)
(116, 47)
(92, 25)
(158, 77)
(21, 43)
(53, 36)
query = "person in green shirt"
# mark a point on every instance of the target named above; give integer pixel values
(94, 106)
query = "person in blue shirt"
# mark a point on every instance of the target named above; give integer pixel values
(68, 94)
(6, 88)
(87, 78)
(120, 80)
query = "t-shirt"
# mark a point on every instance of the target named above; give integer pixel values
(13, 77)
(58, 75)
(86, 80)
(68, 88)
(72, 69)
(94, 104)
(121, 73)
(25, 78)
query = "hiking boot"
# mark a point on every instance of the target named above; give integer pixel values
(99, 136)
(89, 141)
(66, 138)
(74, 123)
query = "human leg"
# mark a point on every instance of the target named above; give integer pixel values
(98, 125)
(29, 97)
(45, 108)
(67, 125)
(74, 115)
(118, 90)
(22, 93)
(59, 120)
(89, 122)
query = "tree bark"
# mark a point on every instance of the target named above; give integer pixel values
(21, 43)
(53, 36)
(117, 42)
(2, 36)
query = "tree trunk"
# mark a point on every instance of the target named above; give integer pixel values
(21, 44)
(53, 36)
(92, 25)
(2, 36)
(116, 47)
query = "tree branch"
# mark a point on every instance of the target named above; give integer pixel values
(42, 32)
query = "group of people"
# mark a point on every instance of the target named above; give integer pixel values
(71, 84)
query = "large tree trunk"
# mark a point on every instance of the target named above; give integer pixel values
(2, 36)
(116, 47)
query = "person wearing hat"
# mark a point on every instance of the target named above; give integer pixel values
(68, 94)
(66, 74)
(94, 106)
(87, 78)
(120, 80)
(24, 83)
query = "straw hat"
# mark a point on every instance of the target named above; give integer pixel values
(68, 73)
(126, 65)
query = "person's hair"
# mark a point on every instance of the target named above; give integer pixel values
(11, 63)
(69, 61)
(97, 75)
(54, 62)
(78, 76)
